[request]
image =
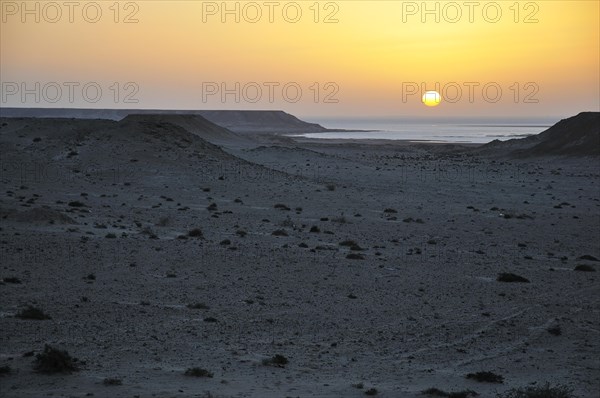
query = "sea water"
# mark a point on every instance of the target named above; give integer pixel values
(451, 130)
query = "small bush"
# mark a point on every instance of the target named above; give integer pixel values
(330, 187)
(554, 330)
(436, 392)
(510, 277)
(315, 229)
(32, 313)
(5, 370)
(198, 372)
(279, 232)
(198, 306)
(281, 206)
(196, 233)
(12, 279)
(390, 211)
(111, 381)
(76, 203)
(584, 268)
(355, 256)
(371, 391)
(277, 360)
(348, 243)
(53, 360)
(539, 392)
(485, 377)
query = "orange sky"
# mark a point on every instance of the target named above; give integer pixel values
(364, 62)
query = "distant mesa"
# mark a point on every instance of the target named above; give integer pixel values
(238, 121)
(261, 121)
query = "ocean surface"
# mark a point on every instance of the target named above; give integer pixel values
(475, 130)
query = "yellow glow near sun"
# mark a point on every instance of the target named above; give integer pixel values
(347, 57)
(432, 98)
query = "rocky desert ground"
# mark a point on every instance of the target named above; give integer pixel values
(155, 245)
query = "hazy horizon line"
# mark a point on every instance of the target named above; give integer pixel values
(365, 117)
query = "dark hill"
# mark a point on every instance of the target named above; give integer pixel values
(195, 124)
(238, 121)
(575, 136)
(261, 122)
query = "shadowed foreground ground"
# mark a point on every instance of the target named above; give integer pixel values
(96, 218)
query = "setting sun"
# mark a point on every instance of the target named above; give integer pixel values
(432, 98)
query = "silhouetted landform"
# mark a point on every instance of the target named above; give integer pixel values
(242, 121)
(90, 141)
(261, 122)
(576, 136)
(72, 113)
(195, 124)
